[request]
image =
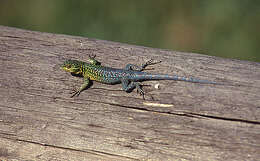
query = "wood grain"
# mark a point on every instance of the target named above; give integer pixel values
(180, 120)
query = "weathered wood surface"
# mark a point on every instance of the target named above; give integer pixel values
(188, 121)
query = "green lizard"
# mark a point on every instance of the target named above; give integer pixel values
(128, 77)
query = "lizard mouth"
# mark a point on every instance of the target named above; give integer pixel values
(66, 69)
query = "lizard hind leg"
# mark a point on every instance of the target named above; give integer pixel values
(142, 67)
(129, 86)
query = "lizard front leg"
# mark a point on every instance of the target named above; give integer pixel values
(83, 87)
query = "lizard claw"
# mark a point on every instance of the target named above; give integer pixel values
(150, 62)
(140, 91)
(92, 56)
(74, 93)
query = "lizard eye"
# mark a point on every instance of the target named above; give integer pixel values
(69, 66)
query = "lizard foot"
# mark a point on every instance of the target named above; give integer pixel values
(140, 90)
(75, 92)
(92, 56)
(150, 62)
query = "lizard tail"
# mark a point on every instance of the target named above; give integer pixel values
(174, 77)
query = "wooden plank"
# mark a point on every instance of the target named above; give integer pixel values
(180, 120)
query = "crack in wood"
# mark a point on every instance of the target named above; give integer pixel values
(95, 152)
(227, 119)
(188, 114)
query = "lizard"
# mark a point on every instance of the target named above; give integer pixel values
(129, 77)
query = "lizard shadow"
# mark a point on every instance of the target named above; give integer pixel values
(76, 75)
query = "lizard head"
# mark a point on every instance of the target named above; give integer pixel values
(72, 66)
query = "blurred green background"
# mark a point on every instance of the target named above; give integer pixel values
(225, 28)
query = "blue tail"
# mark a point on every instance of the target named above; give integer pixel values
(148, 76)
